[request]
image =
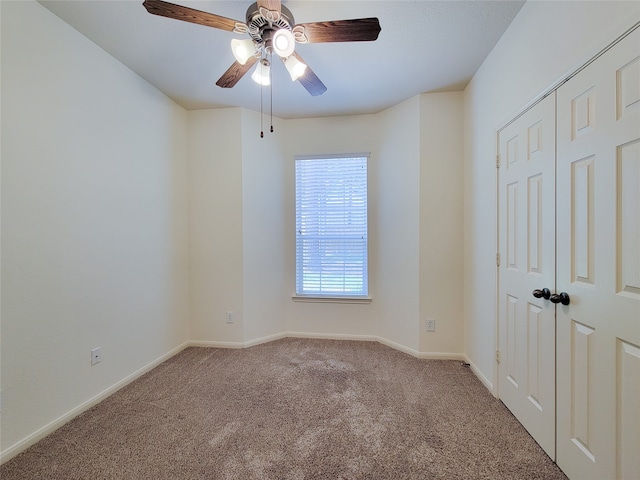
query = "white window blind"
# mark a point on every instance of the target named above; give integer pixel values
(331, 226)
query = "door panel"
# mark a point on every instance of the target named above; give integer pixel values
(598, 265)
(526, 382)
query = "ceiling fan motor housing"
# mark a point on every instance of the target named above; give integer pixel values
(261, 28)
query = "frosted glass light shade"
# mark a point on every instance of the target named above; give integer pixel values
(283, 43)
(295, 67)
(243, 50)
(261, 73)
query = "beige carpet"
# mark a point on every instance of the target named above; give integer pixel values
(293, 409)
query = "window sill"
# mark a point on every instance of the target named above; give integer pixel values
(328, 299)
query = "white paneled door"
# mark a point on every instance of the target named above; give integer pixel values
(598, 266)
(569, 272)
(526, 367)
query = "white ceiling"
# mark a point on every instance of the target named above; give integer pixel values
(424, 46)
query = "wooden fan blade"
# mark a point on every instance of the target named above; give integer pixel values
(271, 5)
(310, 80)
(356, 30)
(170, 10)
(235, 73)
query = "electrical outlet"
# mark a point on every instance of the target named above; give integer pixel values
(96, 356)
(229, 317)
(431, 325)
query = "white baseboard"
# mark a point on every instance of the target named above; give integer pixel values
(39, 434)
(213, 344)
(398, 346)
(333, 336)
(421, 355)
(267, 339)
(441, 356)
(250, 343)
(383, 341)
(485, 381)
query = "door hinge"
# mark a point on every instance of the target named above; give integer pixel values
(497, 259)
(497, 161)
(498, 356)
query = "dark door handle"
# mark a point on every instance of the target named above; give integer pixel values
(562, 298)
(544, 293)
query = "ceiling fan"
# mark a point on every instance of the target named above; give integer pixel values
(272, 29)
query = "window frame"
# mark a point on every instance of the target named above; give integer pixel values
(332, 297)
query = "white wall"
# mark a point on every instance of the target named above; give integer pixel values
(441, 222)
(263, 219)
(545, 41)
(94, 224)
(215, 224)
(236, 227)
(395, 192)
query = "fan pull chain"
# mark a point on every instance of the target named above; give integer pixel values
(271, 95)
(261, 130)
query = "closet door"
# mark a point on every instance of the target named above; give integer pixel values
(526, 369)
(598, 266)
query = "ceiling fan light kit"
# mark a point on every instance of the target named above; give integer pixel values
(283, 43)
(295, 67)
(272, 29)
(262, 74)
(243, 50)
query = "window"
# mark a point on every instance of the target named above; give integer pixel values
(331, 226)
